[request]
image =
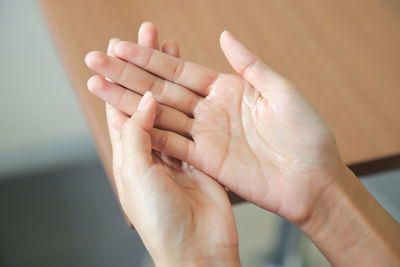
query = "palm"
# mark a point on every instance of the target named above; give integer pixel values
(186, 198)
(254, 147)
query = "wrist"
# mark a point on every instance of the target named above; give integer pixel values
(331, 225)
(327, 203)
(350, 227)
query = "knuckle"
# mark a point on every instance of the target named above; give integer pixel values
(120, 100)
(162, 141)
(249, 66)
(178, 70)
(122, 73)
(149, 57)
(157, 88)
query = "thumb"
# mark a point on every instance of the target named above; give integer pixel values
(135, 137)
(248, 65)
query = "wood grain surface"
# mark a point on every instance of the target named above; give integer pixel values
(344, 55)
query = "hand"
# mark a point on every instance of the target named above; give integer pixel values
(253, 132)
(183, 216)
(291, 152)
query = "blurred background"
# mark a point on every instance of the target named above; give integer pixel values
(56, 205)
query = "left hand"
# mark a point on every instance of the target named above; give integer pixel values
(183, 216)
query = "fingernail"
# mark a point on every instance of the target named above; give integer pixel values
(114, 39)
(146, 99)
(227, 33)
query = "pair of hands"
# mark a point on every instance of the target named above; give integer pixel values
(252, 132)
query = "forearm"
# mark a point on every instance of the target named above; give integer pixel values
(351, 228)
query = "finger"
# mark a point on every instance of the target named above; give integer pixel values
(172, 144)
(170, 47)
(118, 119)
(141, 81)
(114, 117)
(148, 35)
(111, 46)
(127, 101)
(117, 156)
(247, 64)
(135, 137)
(190, 75)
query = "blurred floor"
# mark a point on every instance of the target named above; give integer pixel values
(64, 217)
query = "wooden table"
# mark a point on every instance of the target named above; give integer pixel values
(344, 55)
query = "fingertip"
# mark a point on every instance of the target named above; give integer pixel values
(225, 36)
(225, 41)
(95, 59)
(237, 54)
(146, 111)
(113, 40)
(148, 35)
(224, 33)
(146, 101)
(95, 84)
(228, 42)
(148, 25)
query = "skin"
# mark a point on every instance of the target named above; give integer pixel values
(171, 205)
(206, 122)
(256, 134)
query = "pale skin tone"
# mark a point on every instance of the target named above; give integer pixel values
(257, 135)
(164, 199)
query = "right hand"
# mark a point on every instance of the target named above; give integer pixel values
(277, 153)
(252, 132)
